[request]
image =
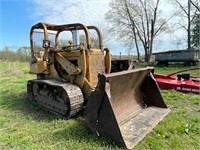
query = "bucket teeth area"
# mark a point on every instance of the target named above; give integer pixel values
(137, 127)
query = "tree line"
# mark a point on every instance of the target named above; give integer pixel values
(21, 54)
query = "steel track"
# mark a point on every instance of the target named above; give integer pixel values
(60, 98)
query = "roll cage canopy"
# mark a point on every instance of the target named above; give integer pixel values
(66, 27)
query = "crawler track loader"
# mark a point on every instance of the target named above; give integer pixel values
(72, 76)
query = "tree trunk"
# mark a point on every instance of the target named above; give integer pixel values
(147, 57)
(133, 29)
(189, 24)
(138, 55)
(136, 45)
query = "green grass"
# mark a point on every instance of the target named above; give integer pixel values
(13, 68)
(181, 128)
(172, 69)
(25, 125)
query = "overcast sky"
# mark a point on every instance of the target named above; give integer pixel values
(17, 17)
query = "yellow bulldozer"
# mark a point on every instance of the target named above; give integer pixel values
(75, 75)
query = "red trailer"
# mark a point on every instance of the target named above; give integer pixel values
(180, 81)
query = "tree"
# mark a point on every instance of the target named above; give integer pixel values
(24, 53)
(8, 55)
(189, 12)
(136, 22)
(94, 41)
(104, 30)
(195, 36)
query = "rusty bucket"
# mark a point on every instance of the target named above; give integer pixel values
(125, 106)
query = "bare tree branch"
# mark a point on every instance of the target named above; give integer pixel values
(153, 21)
(181, 6)
(132, 22)
(195, 5)
(139, 19)
(161, 26)
(189, 15)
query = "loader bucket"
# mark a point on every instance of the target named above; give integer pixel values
(125, 106)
